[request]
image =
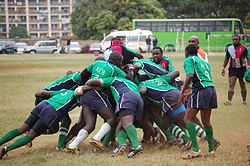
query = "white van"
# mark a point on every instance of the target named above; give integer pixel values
(135, 40)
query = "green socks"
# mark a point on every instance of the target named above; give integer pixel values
(63, 130)
(19, 142)
(9, 136)
(158, 122)
(132, 135)
(122, 137)
(108, 137)
(210, 139)
(177, 132)
(192, 135)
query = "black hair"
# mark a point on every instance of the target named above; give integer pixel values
(191, 49)
(116, 38)
(159, 49)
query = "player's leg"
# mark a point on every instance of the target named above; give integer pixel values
(232, 81)
(90, 119)
(109, 117)
(122, 138)
(243, 90)
(76, 128)
(63, 130)
(147, 126)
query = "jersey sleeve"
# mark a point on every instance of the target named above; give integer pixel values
(53, 93)
(138, 62)
(119, 72)
(170, 65)
(106, 82)
(77, 78)
(90, 67)
(189, 65)
(167, 78)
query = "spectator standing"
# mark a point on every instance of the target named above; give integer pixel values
(68, 45)
(148, 42)
(155, 42)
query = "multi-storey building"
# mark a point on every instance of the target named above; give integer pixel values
(41, 18)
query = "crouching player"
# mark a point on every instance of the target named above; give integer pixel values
(45, 116)
(129, 106)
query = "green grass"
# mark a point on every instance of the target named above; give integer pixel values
(22, 75)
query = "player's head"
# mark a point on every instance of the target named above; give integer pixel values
(194, 40)
(191, 49)
(116, 58)
(116, 41)
(236, 40)
(157, 54)
(100, 58)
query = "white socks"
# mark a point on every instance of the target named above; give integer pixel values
(82, 135)
(105, 128)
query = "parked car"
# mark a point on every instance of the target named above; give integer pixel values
(20, 47)
(95, 48)
(74, 48)
(7, 47)
(46, 46)
(169, 48)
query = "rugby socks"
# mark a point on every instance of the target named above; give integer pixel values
(108, 137)
(210, 139)
(82, 135)
(200, 132)
(9, 136)
(19, 142)
(105, 128)
(158, 121)
(132, 135)
(122, 137)
(177, 132)
(192, 136)
(63, 130)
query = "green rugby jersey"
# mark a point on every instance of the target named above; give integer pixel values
(163, 62)
(103, 69)
(63, 101)
(151, 69)
(201, 70)
(156, 88)
(118, 86)
(70, 81)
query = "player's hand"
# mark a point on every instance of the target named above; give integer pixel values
(181, 97)
(223, 72)
(79, 90)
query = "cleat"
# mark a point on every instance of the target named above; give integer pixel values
(227, 103)
(71, 150)
(160, 137)
(210, 154)
(169, 143)
(59, 149)
(119, 150)
(97, 144)
(3, 152)
(192, 154)
(244, 103)
(186, 145)
(216, 144)
(134, 152)
(29, 144)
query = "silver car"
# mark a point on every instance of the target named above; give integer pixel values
(46, 46)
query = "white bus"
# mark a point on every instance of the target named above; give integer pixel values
(135, 40)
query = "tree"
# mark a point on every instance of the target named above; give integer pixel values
(91, 19)
(20, 32)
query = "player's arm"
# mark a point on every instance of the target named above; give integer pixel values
(93, 82)
(187, 82)
(82, 89)
(226, 60)
(85, 75)
(43, 93)
(174, 74)
(143, 90)
(130, 75)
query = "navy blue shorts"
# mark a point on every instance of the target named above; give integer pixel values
(95, 100)
(130, 101)
(238, 72)
(170, 100)
(205, 98)
(47, 114)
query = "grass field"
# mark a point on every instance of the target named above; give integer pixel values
(22, 75)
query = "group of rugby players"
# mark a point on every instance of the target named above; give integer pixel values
(127, 94)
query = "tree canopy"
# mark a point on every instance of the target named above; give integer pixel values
(92, 18)
(19, 32)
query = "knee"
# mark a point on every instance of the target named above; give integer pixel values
(206, 123)
(89, 127)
